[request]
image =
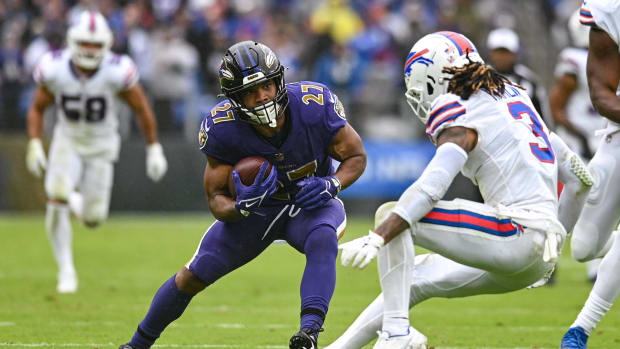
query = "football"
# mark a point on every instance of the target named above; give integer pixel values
(248, 169)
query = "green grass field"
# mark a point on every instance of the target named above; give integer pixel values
(124, 262)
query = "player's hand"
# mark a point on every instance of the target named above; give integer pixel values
(156, 164)
(316, 192)
(250, 198)
(35, 157)
(360, 252)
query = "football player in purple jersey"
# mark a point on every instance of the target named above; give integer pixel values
(299, 128)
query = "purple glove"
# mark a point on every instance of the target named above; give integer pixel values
(316, 192)
(250, 198)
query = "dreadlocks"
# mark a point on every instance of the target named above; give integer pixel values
(474, 76)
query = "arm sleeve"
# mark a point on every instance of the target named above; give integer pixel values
(432, 185)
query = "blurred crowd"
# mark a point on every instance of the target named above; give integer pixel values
(356, 47)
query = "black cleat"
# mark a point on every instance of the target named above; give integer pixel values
(126, 346)
(306, 338)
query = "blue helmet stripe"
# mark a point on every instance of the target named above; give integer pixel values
(241, 63)
(250, 56)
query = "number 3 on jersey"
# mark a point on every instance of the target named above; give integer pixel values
(542, 153)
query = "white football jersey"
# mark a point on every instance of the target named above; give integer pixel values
(513, 163)
(87, 106)
(579, 109)
(605, 15)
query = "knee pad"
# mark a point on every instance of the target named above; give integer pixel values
(58, 188)
(95, 213)
(383, 212)
(583, 246)
(322, 241)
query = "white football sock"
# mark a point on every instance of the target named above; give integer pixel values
(604, 292)
(58, 228)
(76, 203)
(396, 265)
(592, 313)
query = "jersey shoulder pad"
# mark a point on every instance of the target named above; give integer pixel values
(222, 115)
(314, 97)
(445, 110)
(218, 132)
(568, 62)
(120, 70)
(601, 14)
(49, 66)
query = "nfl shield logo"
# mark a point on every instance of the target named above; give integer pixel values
(279, 156)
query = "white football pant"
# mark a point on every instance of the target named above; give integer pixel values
(67, 171)
(594, 234)
(591, 236)
(468, 261)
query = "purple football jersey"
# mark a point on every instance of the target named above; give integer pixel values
(314, 116)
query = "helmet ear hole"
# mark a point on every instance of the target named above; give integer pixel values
(429, 88)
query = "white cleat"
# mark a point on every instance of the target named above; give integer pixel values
(67, 282)
(412, 340)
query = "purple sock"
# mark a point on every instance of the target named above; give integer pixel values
(168, 304)
(319, 280)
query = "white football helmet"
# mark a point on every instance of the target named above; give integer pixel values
(424, 78)
(91, 27)
(579, 33)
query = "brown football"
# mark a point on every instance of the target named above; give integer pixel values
(248, 169)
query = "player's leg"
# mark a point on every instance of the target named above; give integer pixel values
(601, 298)
(64, 170)
(315, 234)
(600, 215)
(433, 276)
(395, 263)
(223, 248)
(95, 192)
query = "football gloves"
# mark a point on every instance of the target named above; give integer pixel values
(360, 252)
(156, 164)
(250, 198)
(316, 192)
(35, 157)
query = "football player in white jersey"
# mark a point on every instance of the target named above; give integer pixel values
(85, 82)
(487, 128)
(592, 236)
(576, 118)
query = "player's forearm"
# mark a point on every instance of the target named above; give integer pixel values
(147, 123)
(223, 208)
(138, 102)
(35, 123)
(351, 169)
(391, 227)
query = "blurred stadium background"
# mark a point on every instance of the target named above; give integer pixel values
(357, 47)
